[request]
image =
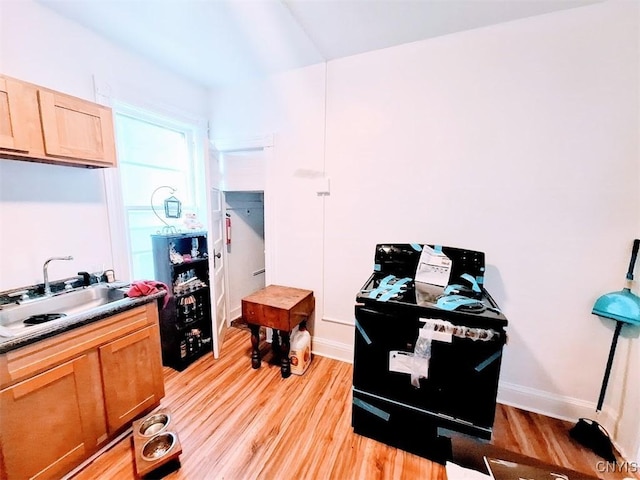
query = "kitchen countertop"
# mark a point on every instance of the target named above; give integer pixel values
(61, 325)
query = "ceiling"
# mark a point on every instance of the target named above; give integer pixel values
(214, 42)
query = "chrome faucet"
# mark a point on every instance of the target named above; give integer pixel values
(45, 273)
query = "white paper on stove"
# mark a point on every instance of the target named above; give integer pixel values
(400, 361)
(433, 267)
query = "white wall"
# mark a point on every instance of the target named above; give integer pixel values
(243, 170)
(50, 210)
(519, 140)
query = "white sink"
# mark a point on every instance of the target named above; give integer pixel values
(68, 303)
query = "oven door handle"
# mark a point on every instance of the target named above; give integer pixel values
(376, 312)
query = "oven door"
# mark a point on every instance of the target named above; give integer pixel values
(462, 376)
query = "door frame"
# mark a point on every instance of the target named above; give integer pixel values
(215, 179)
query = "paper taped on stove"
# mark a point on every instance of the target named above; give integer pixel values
(434, 267)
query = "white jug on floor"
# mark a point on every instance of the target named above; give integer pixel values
(300, 351)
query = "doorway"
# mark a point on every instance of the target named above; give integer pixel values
(245, 248)
(238, 169)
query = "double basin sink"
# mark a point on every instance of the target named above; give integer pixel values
(32, 315)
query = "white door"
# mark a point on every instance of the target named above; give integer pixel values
(216, 269)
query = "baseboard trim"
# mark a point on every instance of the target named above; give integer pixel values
(546, 403)
(330, 349)
(102, 450)
(529, 399)
(235, 313)
(349, 323)
(559, 406)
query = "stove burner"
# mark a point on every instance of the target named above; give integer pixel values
(387, 288)
(42, 318)
(473, 308)
(460, 303)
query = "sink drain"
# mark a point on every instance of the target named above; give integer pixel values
(42, 318)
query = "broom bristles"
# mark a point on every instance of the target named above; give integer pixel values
(593, 436)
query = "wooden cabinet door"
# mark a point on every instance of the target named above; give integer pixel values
(77, 129)
(13, 131)
(133, 377)
(46, 427)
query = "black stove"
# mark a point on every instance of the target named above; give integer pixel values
(427, 356)
(392, 283)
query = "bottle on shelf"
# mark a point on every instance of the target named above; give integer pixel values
(183, 348)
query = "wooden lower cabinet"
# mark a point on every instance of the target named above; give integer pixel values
(49, 423)
(65, 397)
(134, 368)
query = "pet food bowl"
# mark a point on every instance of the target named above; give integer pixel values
(158, 446)
(154, 424)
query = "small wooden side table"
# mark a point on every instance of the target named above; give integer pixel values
(281, 309)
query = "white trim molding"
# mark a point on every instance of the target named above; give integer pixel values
(348, 323)
(546, 403)
(255, 142)
(335, 350)
(559, 406)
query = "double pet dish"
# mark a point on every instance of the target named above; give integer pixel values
(155, 442)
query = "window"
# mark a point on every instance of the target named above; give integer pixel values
(154, 151)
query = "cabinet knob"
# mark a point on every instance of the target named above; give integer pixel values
(218, 255)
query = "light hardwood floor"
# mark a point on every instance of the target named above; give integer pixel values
(238, 423)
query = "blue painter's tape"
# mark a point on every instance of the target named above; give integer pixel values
(393, 289)
(454, 287)
(388, 294)
(451, 302)
(371, 409)
(387, 279)
(382, 286)
(447, 432)
(472, 281)
(437, 248)
(363, 333)
(488, 361)
(417, 247)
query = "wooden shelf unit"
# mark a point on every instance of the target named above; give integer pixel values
(185, 325)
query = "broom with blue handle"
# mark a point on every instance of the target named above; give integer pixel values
(623, 307)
